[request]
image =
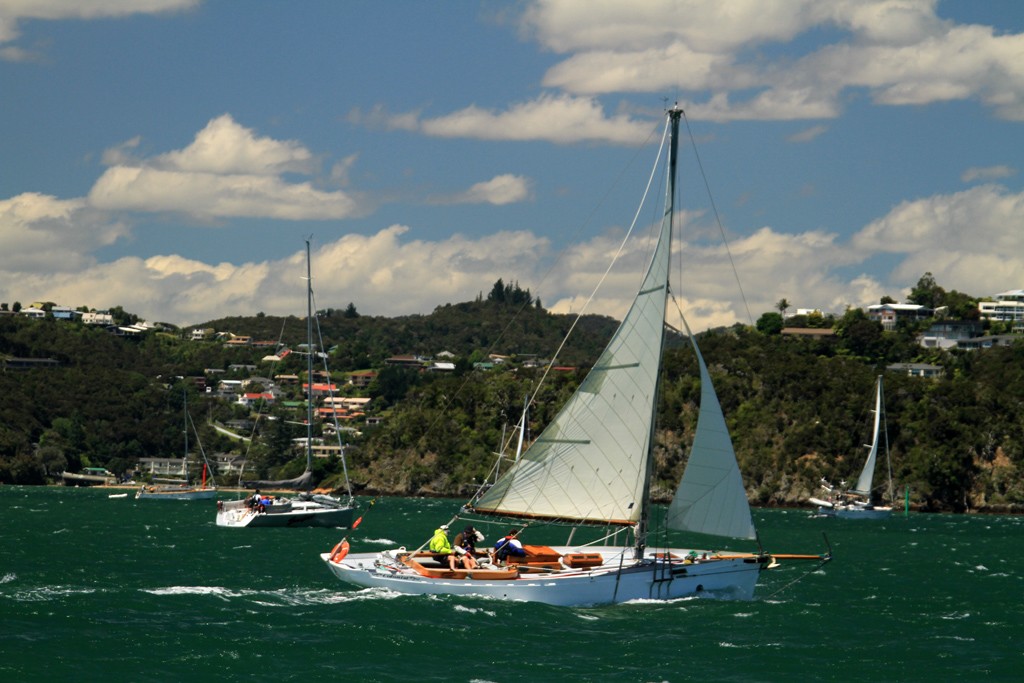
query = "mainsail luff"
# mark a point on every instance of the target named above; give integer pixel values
(590, 464)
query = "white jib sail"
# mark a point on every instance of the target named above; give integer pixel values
(868, 473)
(711, 498)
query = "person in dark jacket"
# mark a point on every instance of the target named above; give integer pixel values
(465, 546)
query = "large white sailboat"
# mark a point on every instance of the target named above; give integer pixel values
(856, 503)
(306, 508)
(591, 467)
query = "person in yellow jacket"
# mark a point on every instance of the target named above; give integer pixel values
(440, 545)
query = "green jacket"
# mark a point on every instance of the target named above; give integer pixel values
(440, 543)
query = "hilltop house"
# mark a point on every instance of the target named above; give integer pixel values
(1008, 307)
(946, 334)
(890, 314)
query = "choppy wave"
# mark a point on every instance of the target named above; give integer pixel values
(475, 610)
(283, 597)
(49, 593)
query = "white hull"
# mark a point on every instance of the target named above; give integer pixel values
(176, 494)
(855, 512)
(724, 576)
(287, 514)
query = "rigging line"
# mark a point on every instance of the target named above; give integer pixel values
(622, 246)
(558, 259)
(259, 412)
(330, 393)
(718, 219)
(803, 576)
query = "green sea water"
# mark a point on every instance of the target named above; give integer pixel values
(94, 588)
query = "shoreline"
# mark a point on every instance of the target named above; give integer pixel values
(1009, 509)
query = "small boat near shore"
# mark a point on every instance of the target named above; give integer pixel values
(185, 489)
(856, 503)
(305, 508)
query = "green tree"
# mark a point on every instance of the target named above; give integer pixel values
(927, 292)
(769, 323)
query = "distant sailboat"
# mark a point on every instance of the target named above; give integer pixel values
(592, 467)
(856, 503)
(186, 489)
(306, 508)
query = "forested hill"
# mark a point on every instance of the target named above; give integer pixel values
(471, 330)
(798, 408)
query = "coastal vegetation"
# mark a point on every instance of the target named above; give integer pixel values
(798, 406)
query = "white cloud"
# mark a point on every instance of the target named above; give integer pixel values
(555, 118)
(807, 134)
(499, 190)
(41, 232)
(224, 147)
(707, 25)
(207, 195)
(970, 241)
(987, 173)
(900, 50)
(14, 11)
(227, 171)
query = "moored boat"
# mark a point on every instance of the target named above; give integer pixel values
(305, 508)
(857, 502)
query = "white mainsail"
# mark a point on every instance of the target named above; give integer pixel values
(868, 473)
(590, 463)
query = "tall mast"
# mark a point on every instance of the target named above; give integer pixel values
(309, 362)
(674, 115)
(184, 459)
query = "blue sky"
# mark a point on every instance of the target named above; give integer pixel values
(170, 156)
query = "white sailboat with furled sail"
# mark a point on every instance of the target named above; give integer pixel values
(305, 508)
(591, 469)
(856, 503)
(185, 489)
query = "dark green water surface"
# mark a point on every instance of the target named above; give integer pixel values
(101, 589)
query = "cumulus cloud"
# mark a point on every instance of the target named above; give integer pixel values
(499, 190)
(560, 119)
(971, 241)
(901, 51)
(42, 232)
(227, 171)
